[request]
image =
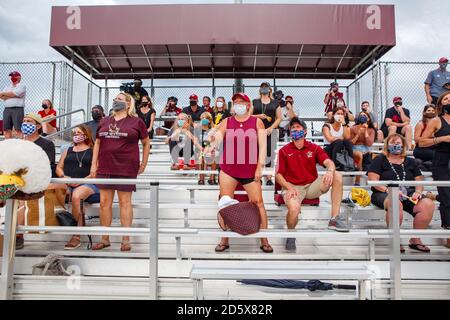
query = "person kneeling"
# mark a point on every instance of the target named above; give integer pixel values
(297, 175)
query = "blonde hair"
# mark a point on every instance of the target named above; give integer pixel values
(225, 106)
(208, 116)
(389, 138)
(270, 91)
(131, 111)
(50, 103)
(187, 118)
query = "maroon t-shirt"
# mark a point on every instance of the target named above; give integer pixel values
(119, 146)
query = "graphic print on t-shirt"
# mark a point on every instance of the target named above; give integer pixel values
(113, 132)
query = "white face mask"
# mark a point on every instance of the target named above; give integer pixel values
(219, 104)
(337, 117)
(240, 109)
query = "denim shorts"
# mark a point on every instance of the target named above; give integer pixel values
(361, 148)
(93, 187)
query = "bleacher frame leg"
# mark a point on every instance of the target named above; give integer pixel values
(186, 217)
(395, 259)
(178, 243)
(372, 250)
(9, 250)
(153, 243)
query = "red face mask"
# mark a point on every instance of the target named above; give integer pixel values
(15, 79)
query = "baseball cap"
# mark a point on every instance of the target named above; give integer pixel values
(34, 116)
(265, 84)
(240, 95)
(15, 74)
(193, 97)
(397, 99)
(443, 60)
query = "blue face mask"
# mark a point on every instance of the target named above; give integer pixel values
(28, 128)
(180, 123)
(297, 134)
(362, 119)
(205, 122)
(395, 149)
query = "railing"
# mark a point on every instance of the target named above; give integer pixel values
(10, 228)
(62, 116)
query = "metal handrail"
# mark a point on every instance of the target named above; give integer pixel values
(409, 183)
(66, 114)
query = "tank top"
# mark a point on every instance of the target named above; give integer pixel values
(269, 110)
(443, 147)
(240, 148)
(336, 134)
(73, 160)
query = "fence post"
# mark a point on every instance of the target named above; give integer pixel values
(53, 81)
(153, 241)
(386, 91)
(152, 90)
(106, 97)
(9, 250)
(395, 259)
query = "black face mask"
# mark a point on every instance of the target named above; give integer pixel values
(397, 104)
(44, 106)
(446, 108)
(192, 103)
(97, 116)
(144, 103)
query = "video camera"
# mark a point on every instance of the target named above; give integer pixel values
(279, 97)
(127, 87)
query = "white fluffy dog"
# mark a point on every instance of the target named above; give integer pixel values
(24, 165)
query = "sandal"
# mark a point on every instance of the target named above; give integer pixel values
(125, 245)
(222, 247)
(431, 195)
(402, 249)
(211, 182)
(74, 243)
(201, 182)
(174, 167)
(266, 248)
(419, 247)
(101, 245)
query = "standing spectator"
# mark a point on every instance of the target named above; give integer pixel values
(332, 97)
(362, 138)
(207, 104)
(297, 175)
(75, 162)
(48, 112)
(170, 110)
(139, 92)
(202, 135)
(193, 110)
(393, 164)
(147, 113)
(397, 120)
(436, 79)
(424, 154)
(220, 111)
(243, 136)
(365, 106)
(337, 135)
(287, 114)
(269, 111)
(437, 134)
(116, 156)
(97, 114)
(14, 103)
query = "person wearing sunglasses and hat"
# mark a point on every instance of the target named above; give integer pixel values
(193, 109)
(13, 97)
(398, 120)
(436, 80)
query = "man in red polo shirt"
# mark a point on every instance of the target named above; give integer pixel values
(297, 175)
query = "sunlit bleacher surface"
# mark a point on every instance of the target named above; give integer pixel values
(188, 216)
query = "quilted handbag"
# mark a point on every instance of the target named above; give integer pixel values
(242, 218)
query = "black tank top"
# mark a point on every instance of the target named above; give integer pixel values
(269, 110)
(73, 160)
(443, 147)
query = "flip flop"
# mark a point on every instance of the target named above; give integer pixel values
(419, 247)
(101, 245)
(222, 247)
(266, 248)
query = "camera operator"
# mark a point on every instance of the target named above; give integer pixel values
(332, 96)
(287, 113)
(139, 92)
(170, 110)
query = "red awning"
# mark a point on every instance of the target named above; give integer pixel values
(224, 41)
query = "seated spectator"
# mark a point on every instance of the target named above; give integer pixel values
(297, 175)
(348, 115)
(193, 110)
(397, 120)
(424, 155)
(97, 114)
(336, 135)
(362, 138)
(203, 136)
(220, 111)
(365, 106)
(181, 141)
(170, 110)
(76, 162)
(393, 164)
(116, 156)
(287, 114)
(147, 113)
(207, 105)
(48, 112)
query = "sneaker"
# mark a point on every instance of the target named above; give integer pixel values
(337, 224)
(269, 183)
(19, 243)
(290, 244)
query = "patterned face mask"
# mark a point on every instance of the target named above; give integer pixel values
(297, 134)
(28, 128)
(7, 191)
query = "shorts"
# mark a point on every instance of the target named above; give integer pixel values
(378, 199)
(385, 131)
(13, 117)
(93, 187)
(118, 187)
(308, 191)
(361, 148)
